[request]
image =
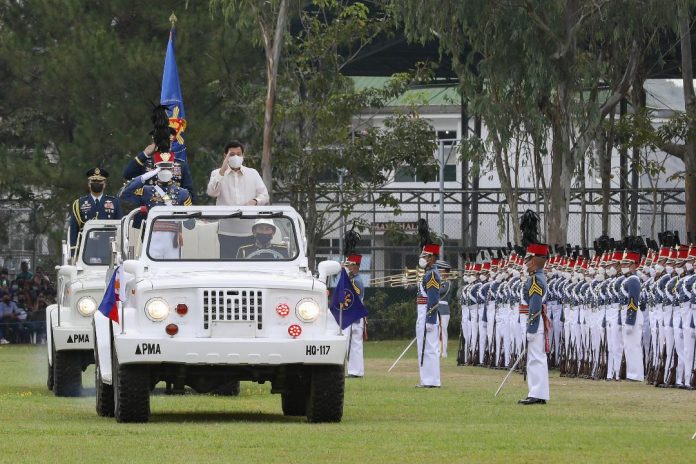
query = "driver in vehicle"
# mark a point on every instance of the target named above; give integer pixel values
(263, 248)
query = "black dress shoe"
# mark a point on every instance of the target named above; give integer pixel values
(530, 400)
(427, 386)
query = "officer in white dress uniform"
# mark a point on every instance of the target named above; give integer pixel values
(532, 297)
(632, 317)
(427, 323)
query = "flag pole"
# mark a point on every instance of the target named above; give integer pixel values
(173, 19)
(340, 310)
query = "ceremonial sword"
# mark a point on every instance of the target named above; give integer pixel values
(519, 358)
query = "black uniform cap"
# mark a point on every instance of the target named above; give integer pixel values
(97, 174)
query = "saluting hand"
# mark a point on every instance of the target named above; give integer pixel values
(225, 165)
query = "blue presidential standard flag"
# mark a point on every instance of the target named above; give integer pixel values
(171, 98)
(346, 301)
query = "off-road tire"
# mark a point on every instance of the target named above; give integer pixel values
(325, 402)
(229, 389)
(104, 392)
(67, 373)
(131, 386)
(294, 401)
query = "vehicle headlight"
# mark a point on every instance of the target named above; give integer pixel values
(86, 306)
(307, 310)
(157, 309)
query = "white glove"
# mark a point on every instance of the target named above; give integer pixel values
(149, 175)
(628, 329)
(429, 327)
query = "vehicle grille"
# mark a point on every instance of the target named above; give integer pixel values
(232, 306)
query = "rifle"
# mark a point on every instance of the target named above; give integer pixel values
(462, 347)
(661, 366)
(672, 378)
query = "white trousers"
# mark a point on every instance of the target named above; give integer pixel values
(428, 349)
(557, 329)
(654, 338)
(500, 330)
(356, 361)
(490, 328)
(474, 330)
(596, 336)
(537, 367)
(614, 343)
(162, 245)
(481, 333)
(633, 347)
(466, 332)
(678, 344)
(444, 322)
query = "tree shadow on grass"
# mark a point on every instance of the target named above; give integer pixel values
(216, 416)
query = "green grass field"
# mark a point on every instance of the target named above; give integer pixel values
(385, 420)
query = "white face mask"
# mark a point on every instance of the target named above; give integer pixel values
(625, 270)
(689, 267)
(588, 279)
(504, 275)
(652, 271)
(644, 277)
(235, 161)
(611, 272)
(482, 277)
(523, 278)
(566, 275)
(516, 273)
(165, 175)
(659, 268)
(499, 278)
(471, 279)
(669, 269)
(422, 262)
(599, 277)
(679, 270)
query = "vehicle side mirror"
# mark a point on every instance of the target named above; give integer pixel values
(133, 267)
(328, 268)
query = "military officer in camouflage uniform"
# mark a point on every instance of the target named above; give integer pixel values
(94, 205)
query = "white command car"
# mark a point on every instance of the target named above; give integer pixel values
(214, 295)
(69, 321)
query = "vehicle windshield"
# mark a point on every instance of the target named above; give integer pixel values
(231, 238)
(97, 249)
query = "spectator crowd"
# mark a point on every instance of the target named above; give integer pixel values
(23, 302)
